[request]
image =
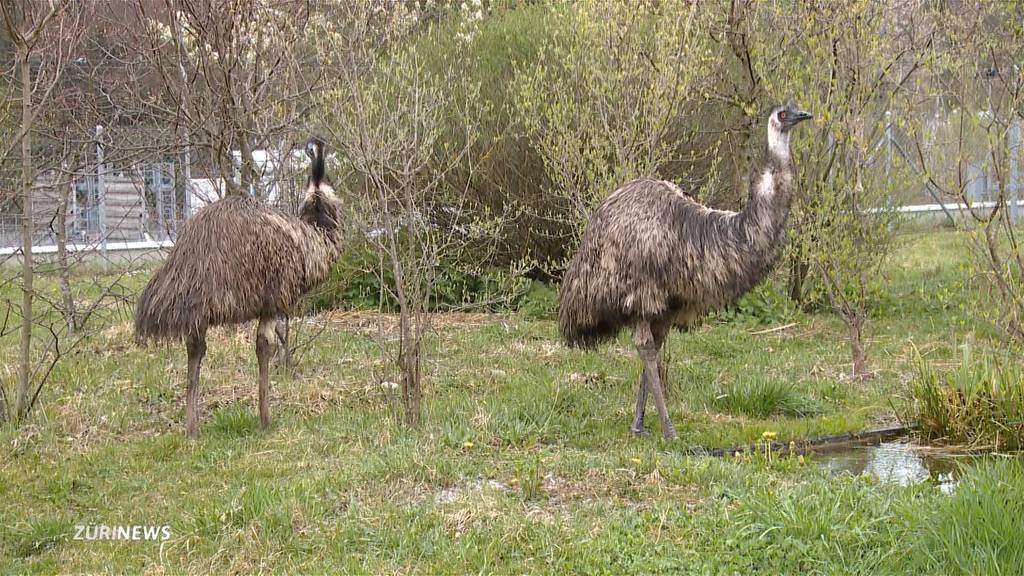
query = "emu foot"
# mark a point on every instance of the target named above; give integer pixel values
(639, 432)
(669, 432)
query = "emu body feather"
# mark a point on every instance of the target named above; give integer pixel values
(235, 261)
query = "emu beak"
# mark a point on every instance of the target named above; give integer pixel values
(800, 116)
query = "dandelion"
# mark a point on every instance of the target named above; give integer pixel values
(800, 458)
(635, 460)
(768, 435)
(467, 445)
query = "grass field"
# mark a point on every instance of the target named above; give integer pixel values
(523, 463)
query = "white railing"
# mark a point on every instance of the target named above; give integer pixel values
(141, 245)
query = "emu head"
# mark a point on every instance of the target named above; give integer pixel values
(783, 118)
(321, 207)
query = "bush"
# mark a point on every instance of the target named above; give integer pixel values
(762, 305)
(509, 177)
(355, 284)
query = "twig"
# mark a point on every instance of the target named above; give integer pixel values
(775, 329)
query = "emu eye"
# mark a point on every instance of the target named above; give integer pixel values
(782, 115)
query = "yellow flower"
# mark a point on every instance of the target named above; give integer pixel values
(800, 459)
(635, 460)
(467, 444)
(768, 435)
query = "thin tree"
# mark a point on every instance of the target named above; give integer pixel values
(44, 36)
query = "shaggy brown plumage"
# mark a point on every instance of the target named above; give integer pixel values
(237, 260)
(653, 258)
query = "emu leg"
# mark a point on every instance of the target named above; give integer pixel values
(648, 346)
(281, 329)
(641, 404)
(641, 399)
(266, 342)
(196, 348)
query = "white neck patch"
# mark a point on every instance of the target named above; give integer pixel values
(778, 141)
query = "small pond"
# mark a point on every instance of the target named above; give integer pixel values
(897, 462)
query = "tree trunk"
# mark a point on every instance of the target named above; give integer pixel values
(21, 395)
(409, 362)
(855, 331)
(247, 169)
(798, 270)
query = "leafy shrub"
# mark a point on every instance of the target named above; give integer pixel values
(878, 297)
(354, 284)
(762, 305)
(509, 177)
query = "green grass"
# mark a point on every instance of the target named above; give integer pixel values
(523, 463)
(980, 528)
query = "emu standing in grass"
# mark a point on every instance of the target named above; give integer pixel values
(653, 258)
(236, 261)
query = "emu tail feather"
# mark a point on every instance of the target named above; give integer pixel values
(584, 319)
(161, 313)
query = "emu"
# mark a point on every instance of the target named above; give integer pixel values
(653, 258)
(237, 260)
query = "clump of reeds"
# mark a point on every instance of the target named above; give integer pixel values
(979, 404)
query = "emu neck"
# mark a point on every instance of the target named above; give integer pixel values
(763, 220)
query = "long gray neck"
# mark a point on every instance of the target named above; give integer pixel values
(763, 220)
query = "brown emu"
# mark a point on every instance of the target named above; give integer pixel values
(237, 260)
(653, 258)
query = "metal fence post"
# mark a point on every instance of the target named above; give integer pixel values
(157, 187)
(142, 204)
(1014, 184)
(101, 196)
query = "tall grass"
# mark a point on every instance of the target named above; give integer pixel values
(978, 404)
(761, 397)
(979, 529)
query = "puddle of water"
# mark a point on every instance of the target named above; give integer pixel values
(896, 463)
